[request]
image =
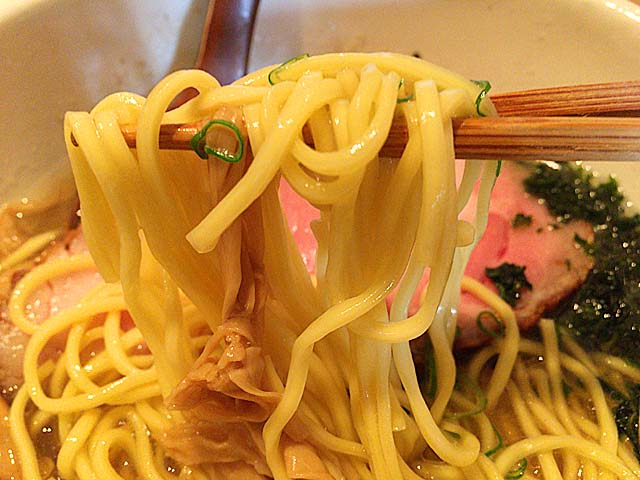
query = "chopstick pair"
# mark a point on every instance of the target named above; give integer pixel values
(541, 124)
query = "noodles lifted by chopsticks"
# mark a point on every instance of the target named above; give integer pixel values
(241, 364)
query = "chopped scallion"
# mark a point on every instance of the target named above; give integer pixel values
(198, 142)
(518, 471)
(490, 316)
(274, 75)
(404, 99)
(481, 401)
(430, 380)
(498, 447)
(485, 86)
(455, 435)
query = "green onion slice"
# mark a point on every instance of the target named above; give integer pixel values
(203, 150)
(481, 401)
(485, 86)
(518, 471)
(430, 382)
(454, 435)
(274, 75)
(499, 446)
(404, 99)
(491, 316)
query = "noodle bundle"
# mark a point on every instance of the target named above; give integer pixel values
(239, 363)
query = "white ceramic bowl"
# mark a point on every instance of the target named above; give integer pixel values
(58, 55)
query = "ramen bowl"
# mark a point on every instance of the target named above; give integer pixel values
(86, 50)
(66, 55)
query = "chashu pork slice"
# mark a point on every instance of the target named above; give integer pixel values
(521, 231)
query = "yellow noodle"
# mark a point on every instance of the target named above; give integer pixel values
(549, 466)
(75, 440)
(546, 443)
(19, 432)
(509, 345)
(609, 433)
(29, 248)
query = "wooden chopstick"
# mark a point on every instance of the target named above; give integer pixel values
(531, 135)
(562, 139)
(614, 99)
